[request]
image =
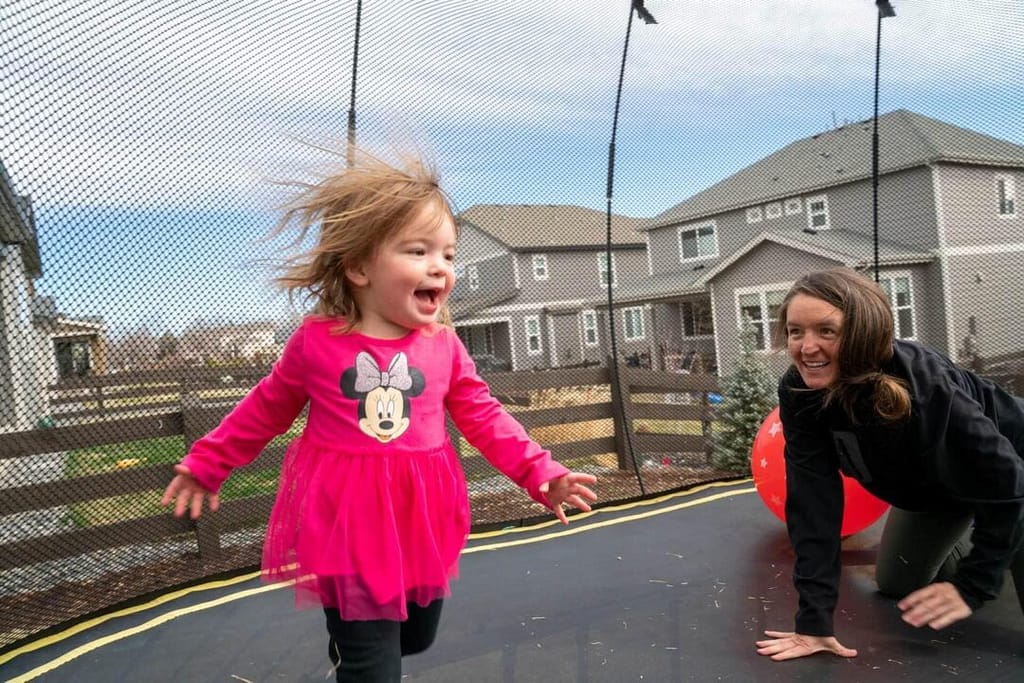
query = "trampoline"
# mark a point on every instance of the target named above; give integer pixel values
(676, 588)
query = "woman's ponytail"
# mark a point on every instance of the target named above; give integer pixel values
(891, 399)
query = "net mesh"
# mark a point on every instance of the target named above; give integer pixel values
(147, 147)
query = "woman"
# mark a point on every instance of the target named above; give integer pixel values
(939, 443)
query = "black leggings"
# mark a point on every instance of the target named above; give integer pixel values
(918, 548)
(372, 651)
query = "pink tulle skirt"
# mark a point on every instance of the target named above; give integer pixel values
(367, 532)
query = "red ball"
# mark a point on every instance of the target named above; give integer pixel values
(767, 462)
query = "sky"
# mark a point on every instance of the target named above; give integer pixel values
(154, 136)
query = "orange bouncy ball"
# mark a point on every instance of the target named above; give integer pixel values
(767, 462)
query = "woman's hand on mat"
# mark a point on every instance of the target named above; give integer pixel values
(783, 645)
(185, 492)
(936, 605)
(570, 489)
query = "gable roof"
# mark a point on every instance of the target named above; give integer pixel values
(463, 307)
(839, 156)
(672, 285)
(538, 227)
(847, 247)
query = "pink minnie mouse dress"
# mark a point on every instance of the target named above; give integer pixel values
(372, 509)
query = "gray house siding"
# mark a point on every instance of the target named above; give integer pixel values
(984, 256)
(509, 293)
(767, 263)
(969, 207)
(556, 303)
(494, 275)
(565, 344)
(980, 285)
(477, 244)
(574, 275)
(906, 209)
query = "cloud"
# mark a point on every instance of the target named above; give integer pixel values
(153, 102)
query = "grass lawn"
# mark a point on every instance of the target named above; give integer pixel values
(167, 449)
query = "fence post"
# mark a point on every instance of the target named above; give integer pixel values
(195, 426)
(98, 397)
(705, 427)
(621, 397)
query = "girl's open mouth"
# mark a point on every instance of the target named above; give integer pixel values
(428, 295)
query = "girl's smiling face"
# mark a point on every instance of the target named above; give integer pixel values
(813, 329)
(406, 283)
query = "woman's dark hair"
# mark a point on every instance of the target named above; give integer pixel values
(865, 340)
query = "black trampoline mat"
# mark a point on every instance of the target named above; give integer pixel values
(673, 589)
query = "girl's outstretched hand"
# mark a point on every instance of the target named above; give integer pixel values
(570, 489)
(783, 645)
(186, 492)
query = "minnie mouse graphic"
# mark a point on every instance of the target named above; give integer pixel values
(383, 396)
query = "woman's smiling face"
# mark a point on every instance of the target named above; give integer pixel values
(813, 329)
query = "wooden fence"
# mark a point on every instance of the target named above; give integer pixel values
(127, 408)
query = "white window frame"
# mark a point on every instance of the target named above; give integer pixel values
(639, 333)
(1006, 197)
(540, 266)
(533, 335)
(891, 277)
(588, 324)
(754, 214)
(695, 228)
(488, 339)
(473, 277)
(794, 206)
(811, 213)
(684, 314)
(773, 211)
(602, 270)
(766, 320)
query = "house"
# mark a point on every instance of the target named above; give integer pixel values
(80, 345)
(257, 342)
(950, 253)
(527, 276)
(23, 345)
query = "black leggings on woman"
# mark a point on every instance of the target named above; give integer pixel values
(918, 548)
(372, 651)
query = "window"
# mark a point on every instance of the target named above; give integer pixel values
(1005, 196)
(589, 328)
(754, 214)
(540, 266)
(73, 358)
(817, 212)
(773, 210)
(474, 277)
(760, 310)
(633, 319)
(533, 335)
(697, 242)
(793, 206)
(460, 271)
(603, 271)
(478, 339)
(696, 317)
(902, 302)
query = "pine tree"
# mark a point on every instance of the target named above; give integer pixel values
(748, 394)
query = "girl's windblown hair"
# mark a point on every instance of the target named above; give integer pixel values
(352, 212)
